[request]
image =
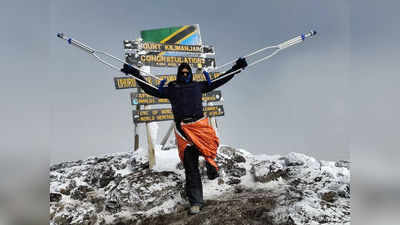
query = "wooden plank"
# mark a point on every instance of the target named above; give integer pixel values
(130, 82)
(152, 115)
(157, 60)
(162, 47)
(145, 99)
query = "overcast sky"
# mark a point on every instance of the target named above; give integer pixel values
(293, 102)
(296, 101)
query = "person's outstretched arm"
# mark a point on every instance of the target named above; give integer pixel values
(159, 93)
(210, 85)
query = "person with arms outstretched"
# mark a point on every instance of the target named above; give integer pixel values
(194, 135)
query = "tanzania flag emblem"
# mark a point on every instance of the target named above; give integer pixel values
(185, 35)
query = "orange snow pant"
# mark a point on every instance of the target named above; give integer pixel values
(203, 136)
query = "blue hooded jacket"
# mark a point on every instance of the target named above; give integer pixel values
(184, 94)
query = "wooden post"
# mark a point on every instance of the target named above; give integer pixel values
(136, 145)
(165, 139)
(152, 158)
(212, 121)
(150, 146)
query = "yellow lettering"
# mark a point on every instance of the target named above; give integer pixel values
(145, 118)
(163, 100)
(165, 111)
(120, 83)
(151, 46)
(173, 60)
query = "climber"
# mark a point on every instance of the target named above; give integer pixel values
(194, 135)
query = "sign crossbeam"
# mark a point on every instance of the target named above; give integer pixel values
(130, 82)
(163, 47)
(138, 98)
(157, 60)
(152, 115)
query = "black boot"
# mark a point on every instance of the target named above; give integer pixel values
(212, 172)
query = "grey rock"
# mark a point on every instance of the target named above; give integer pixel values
(233, 181)
(80, 192)
(55, 197)
(266, 171)
(344, 191)
(65, 165)
(97, 200)
(67, 190)
(239, 158)
(180, 166)
(63, 219)
(343, 163)
(291, 161)
(100, 175)
(330, 196)
(238, 172)
(112, 206)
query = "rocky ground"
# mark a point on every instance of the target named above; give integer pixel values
(121, 189)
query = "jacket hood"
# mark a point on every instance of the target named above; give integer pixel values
(180, 78)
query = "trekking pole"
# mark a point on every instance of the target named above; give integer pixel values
(278, 48)
(95, 53)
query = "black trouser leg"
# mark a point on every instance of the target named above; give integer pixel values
(194, 189)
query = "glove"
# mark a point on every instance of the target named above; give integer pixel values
(240, 64)
(161, 85)
(127, 69)
(207, 77)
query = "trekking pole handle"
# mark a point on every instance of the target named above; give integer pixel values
(297, 39)
(77, 43)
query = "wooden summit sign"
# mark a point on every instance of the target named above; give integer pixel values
(152, 115)
(161, 47)
(158, 60)
(145, 99)
(130, 82)
(167, 47)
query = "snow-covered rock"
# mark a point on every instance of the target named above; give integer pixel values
(121, 189)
